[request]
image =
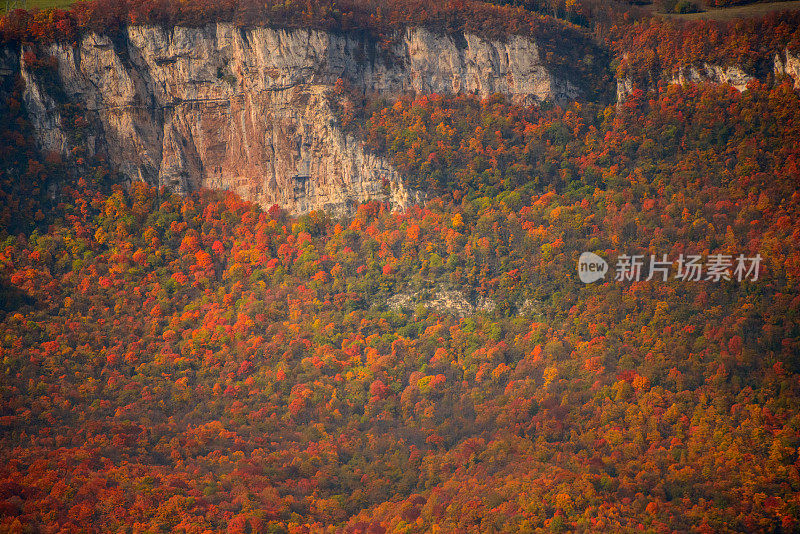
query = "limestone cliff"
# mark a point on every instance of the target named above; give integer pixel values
(786, 63)
(247, 109)
(692, 74)
(731, 75)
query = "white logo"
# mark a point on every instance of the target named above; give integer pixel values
(591, 267)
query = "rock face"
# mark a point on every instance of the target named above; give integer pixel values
(624, 88)
(443, 300)
(248, 110)
(788, 65)
(733, 76)
(693, 74)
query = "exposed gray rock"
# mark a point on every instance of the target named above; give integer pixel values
(624, 88)
(788, 65)
(248, 110)
(530, 307)
(706, 72)
(694, 74)
(443, 300)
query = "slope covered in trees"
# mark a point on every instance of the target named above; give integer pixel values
(192, 364)
(651, 48)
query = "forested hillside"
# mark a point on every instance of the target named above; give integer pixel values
(201, 364)
(657, 47)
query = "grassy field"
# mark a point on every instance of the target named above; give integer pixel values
(33, 4)
(747, 11)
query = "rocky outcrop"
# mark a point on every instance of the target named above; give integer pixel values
(707, 73)
(789, 65)
(783, 64)
(443, 300)
(691, 74)
(248, 109)
(624, 88)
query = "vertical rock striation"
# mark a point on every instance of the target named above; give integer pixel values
(788, 65)
(248, 110)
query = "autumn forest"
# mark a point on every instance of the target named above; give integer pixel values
(199, 363)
